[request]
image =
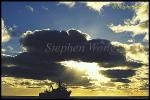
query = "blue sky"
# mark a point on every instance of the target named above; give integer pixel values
(42, 15)
(61, 17)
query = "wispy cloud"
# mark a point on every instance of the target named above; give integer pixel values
(69, 4)
(29, 8)
(45, 8)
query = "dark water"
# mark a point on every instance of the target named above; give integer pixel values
(81, 97)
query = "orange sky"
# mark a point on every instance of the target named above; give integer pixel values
(75, 92)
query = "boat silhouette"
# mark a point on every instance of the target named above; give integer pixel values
(60, 92)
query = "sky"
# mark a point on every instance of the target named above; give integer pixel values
(30, 27)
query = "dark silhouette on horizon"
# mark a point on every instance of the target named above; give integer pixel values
(60, 92)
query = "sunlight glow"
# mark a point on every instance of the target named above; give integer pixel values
(92, 70)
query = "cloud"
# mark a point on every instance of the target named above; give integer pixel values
(135, 29)
(12, 30)
(130, 41)
(69, 4)
(10, 48)
(135, 51)
(96, 6)
(118, 75)
(53, 72)
(71, 45)
(129, 64)
(138, 24)
(25, 83)
(38, 39)
(121, 80)
(45, 8)
(5, 35)
(145, 86)
(33, 67)
(3, 50)
(41, 61)
(89, 50)
(29, 8)
(141, 13)
(136, 55)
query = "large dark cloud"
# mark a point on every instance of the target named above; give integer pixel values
(74, 45)
(71, 45)
(40, 61)
(38, 40)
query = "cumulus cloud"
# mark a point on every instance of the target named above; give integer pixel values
(136, 55)
(71, 45)
(97, 6)
(5, 35)
(138, 24)
(141, 12)
(57, 43)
